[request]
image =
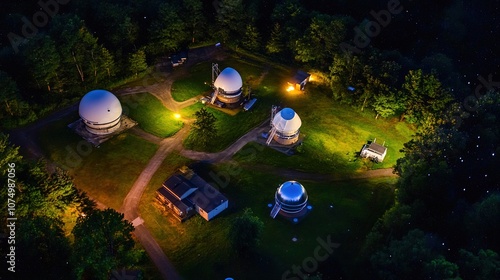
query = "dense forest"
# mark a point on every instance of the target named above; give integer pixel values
(432, 64)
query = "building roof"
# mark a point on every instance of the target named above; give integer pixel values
(207, 197)
(377, 148)
(179, 186)
(100, 107)
(287, 121)
(291, 193)
(182, 205)
(184, 192)
(229, 80)
(300, 76)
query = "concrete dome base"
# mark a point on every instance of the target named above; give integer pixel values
(285, 141)
(102, 131)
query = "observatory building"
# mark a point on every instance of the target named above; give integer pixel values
(228, 86)
(290, 200)
(185, 193)
(100, 111)
(285, 127)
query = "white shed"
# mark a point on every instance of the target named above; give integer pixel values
(374, 151)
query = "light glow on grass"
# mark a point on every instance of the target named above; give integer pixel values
(177, 115)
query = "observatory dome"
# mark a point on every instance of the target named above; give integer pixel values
(287, 122)
(229, 80)
(292, 196)
(101, 111)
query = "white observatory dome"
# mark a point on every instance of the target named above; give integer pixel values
(229, 80)
(101, 111)
(287, 122)
(292, 197)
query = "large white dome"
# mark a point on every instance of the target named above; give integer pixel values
(287, 122)
(100, 107)
(229, 80)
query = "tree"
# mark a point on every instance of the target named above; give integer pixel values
(167, 31)
(344, 73)
(387, 105)
(193, 15)
(45, 195)
(8, 154)
(82, 60)
(483, 266)
(204, 127)
(103, 241)
(137, 62)
(43, 249)
(114, 25)
(13, 110)
(412, 258)
(321, 39)
(423, 95)
(251, 39)
(245, 231)
(482, 222)
(276, 43)
(43, 60)
(230, 19)
(290, 15)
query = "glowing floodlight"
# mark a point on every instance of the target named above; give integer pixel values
(177, 116)
(290, 88)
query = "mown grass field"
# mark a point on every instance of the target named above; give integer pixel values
(106, 173)
(343, 211)
(334, 133)
(196, 83)
(150, 114)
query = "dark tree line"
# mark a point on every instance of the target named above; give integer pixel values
(95, 44)
(47, 205)
(444, 224)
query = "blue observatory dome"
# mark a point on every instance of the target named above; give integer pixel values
(292, 197)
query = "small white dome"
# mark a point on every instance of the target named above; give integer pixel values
(100, 107)
(287, 121)
(229, 80)
(292, 196)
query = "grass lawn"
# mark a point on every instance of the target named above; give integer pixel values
(334, 133)
(232, 127)
(151, 115)
(105, 173)
(196, 83)
(345, 211)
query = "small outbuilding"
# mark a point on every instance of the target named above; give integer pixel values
(374, 151)
(100, 111)
(299, 80)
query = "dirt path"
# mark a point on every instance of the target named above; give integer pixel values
(291, 174)
(131, 203)
(227, 153)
